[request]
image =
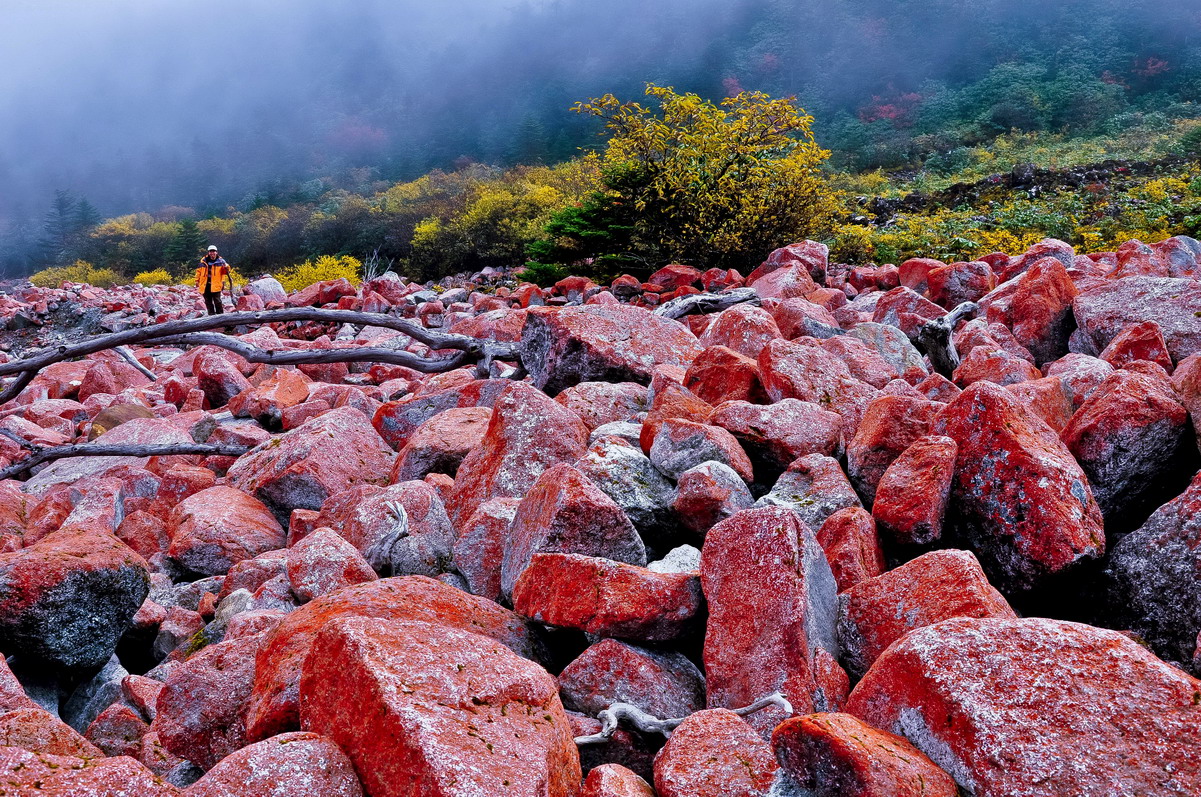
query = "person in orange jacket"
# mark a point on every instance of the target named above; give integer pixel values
(211, 278)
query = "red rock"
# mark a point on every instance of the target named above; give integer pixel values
(1023, 503)
(783, 431)
(1153, 576)
(852, 548)
(1049, 398)
(608, 598)
(889, 426)
(324, 562)
(528, 433)
(1046, 248)
(956, 283)
(813, 256)
(838, 755)
(182, 481)
(140, 431)
(911, 498)
(808, 373)
(27, 773)
(145, 533)
(708, 494)
(1081, 375)
(813, 487)
(110, 377)
(998, 366)
(1138, 342)
(69, 597)
(1105, 308)
(219, 377)
(1127, 437)
(266, 401)
(913, 272)
(418, 544)
(273, 706)
(176, 630)
(614, 780)
(675, 276)
(599, 403)
(566, 346)
(490, 724)
(219, 527)
(324, 456)
(680, 445)
(201, 710)
(282, 766)
(771, 605)
(798, 317)
(480, 546)
(933, 587)
(1083, 710)
(564, 512)
(713, 754)
(1040, 309)
(906, 310)
(743, 328)
(937, 387)
(671, 400)
(118, 730)
(440, 444)
(786, 282)
(255, 621)
(39, 731)
(663, 684)
(719, 374)
(865, 363)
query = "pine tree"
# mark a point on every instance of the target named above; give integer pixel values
(58, 229)
(86, 216)
(185, 245)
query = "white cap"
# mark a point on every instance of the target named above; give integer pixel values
(212, 249)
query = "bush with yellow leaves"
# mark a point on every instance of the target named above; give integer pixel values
(79, 271)
(158, 276)
(326, 267)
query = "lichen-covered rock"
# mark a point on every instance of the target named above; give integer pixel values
(324, 562)
(714, 753)
(664, 684)
(287, 765)
(682, 444)
(708, 494)
(912, 495)
(935, 586)
(39, 731)
(326, 455)
(25, 773)
(1023, 503)
(480, 547)
(626, 475)
(66, 600)
(216, 528)
(440, 444)
(614, 780)
(809, 373)
(273, 706)
(814, 487)
(438, 711)
(1154, 576)
(599, 403)
(852, 546)
(772, 605)
(1104, 308)
(838, 755)
(744, 328)
(1082, 710)
(565, 346)
(783, 431)
(889, 426)
(720, 374)
(608, 598)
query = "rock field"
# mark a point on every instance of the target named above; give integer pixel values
(764, 549)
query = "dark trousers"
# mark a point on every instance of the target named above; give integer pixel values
(212, 301)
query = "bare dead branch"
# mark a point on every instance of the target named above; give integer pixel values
(16, 438)
(127, 355)
(118, 450)
(706, 302)
(937, 339)
(612, 716)
(349, 354)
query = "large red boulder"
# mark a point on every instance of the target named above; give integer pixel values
(935, 586)
(1139, 342)
(664, 684)
(744, 328)
(1023, 503)
(707, 494)
(681, 444)
(1105, 308)
(564, 512)
(480, 546)
(719, 374)
(66, 600)
(771, 599)
(200, 713)
(608, 598)
(414, 541)
(1127, 437)
(809, 373)
(218, 376)
(562, 347)
(614, 780)
(953, 284)
(1039, 311)
(430, 710)
(266, 401)
(1037, 707)
(838, 755)
(273, 706)
(287, 765)
(671, 400)
(786, 282)
(321, 457)
(39, 731)
(812, 255)
(219, 527)
(24, 773)
(714, 753)
(783, 431)
(599, 403)
(852, 546)
(889, 426)
(397, 420)
(912, 496)
(441, 443)
(528, 433)
(324, 562)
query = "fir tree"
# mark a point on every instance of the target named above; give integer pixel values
(185, 245)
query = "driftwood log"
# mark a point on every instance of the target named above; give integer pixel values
(39, 454)
(706, 302)
(614, 714)
(937, 338)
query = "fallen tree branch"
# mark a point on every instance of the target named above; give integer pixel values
(16, 438)
(349, 354)
(41, 455)
(127, 355)
(937, 338)
(706, 302)
(646, 723)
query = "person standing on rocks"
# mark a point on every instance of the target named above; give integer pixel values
(211, 278)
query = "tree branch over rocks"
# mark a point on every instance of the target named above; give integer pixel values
(41, 455)
(349, 354)
(646, 723)
(937, 339)
(481, 351)
(706, 302)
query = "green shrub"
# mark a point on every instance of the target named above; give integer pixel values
(79, 271)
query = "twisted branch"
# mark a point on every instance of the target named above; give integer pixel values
(706, 302)
(40, 455)
(646, 723)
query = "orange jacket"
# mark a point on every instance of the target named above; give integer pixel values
(210, 277)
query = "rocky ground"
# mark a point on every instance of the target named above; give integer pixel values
(984, 582)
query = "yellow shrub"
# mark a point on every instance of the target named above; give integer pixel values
(159, 276)
(326, 267)
(79, 271)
